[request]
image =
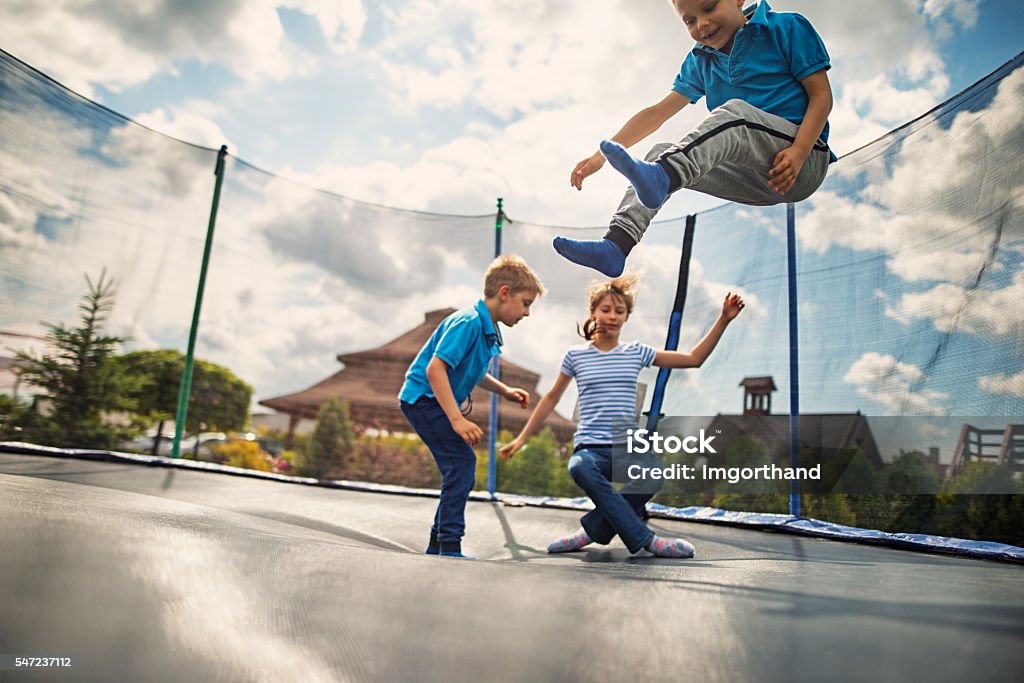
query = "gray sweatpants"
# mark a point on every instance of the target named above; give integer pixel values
(728, 155)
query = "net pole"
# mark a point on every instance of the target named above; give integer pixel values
(492, 432)
(674, 324)
(794, 363)
(186, 375)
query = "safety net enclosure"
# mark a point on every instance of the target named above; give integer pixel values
(909, 283)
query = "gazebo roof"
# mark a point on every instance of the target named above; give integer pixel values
(373, 378)
(405, 346)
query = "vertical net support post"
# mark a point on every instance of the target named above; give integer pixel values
(794, 363)
(675, 322)
(492, 432)
(186, 375)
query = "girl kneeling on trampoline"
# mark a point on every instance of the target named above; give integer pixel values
(606, 372)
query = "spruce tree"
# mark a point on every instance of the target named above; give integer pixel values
(79, 380)
(332, 438)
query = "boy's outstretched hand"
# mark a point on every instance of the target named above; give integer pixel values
(732, 306)
(587, 167)
(520, 396)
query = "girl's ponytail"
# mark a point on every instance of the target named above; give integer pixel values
(588, 329)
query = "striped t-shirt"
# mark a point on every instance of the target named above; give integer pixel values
(606, 381)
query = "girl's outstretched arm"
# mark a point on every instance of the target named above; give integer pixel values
(544, 408)
(694, 359)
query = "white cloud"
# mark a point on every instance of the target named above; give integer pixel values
(84, 44)
(932, 200)
(184, 123)
(298, 277)
(946, 13)
(1003, 384)
(342, 22)
(884, 379)
(984, 312)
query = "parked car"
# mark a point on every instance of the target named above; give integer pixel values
(200, 446)
(144, 444)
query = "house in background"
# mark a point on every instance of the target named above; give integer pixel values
(10, 344)
(825, 434)
(370, 381)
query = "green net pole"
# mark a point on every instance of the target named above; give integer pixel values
(492, 461)
(186, 375)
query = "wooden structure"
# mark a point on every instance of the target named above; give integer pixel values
(757, 395)
(370, 381)
(1002, 447)
(825, 435)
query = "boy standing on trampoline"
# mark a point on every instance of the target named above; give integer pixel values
(453, 361)
(606, 372)
(764, 142)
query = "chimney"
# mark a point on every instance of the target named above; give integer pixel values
(757, 395)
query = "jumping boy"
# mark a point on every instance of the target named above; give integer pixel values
(441, 378)
(764, 142)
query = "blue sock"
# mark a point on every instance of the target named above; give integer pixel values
(650, 180)
(602, 255)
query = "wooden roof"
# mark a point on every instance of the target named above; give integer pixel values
(370, 381)
(765, 383)
(825, 432)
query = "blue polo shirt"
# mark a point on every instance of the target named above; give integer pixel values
(770, 55)
(466, 341)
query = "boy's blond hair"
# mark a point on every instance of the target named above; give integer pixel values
(511, 271)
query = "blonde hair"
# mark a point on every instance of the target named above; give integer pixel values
(511, 271)
(623, 289)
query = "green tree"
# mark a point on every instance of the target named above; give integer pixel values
(910, 473)
(17, 419)
(81, 381)
(218, 401)
(158, 375)
(332, 439)
(537, 470)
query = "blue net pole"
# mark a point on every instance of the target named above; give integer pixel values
(492, 439)
(794, 363)
(674, 323)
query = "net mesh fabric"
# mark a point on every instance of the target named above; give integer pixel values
(909, 261)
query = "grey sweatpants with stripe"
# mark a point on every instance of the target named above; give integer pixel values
(728, 155)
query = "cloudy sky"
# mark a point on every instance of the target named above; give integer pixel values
(442, 106)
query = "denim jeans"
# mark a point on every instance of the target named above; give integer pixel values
(614, 512)
(455, 459)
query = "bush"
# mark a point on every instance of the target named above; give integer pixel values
(240, 453)
(332, 439)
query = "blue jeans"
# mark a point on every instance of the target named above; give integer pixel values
(614, 512)
(455, 459)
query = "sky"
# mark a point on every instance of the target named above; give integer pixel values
(444, 106)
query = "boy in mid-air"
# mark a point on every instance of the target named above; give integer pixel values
(764, 142)
(441, 378)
